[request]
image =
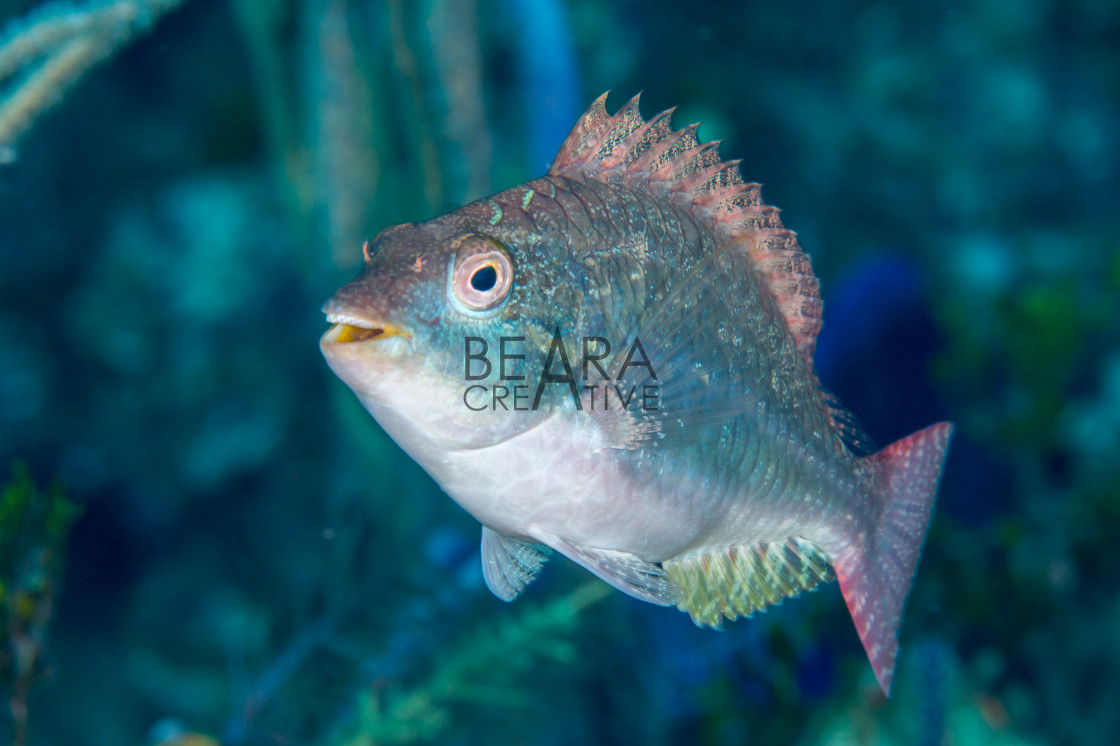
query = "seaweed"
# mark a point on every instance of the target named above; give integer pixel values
(34, 526)
(485, 668)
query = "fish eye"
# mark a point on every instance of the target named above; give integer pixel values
(482, 275)
(484, 278)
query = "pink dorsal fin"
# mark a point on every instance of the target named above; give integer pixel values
(674, 163)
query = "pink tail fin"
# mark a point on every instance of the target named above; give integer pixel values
(876, 568)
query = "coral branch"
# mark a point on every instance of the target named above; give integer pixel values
(65, 42)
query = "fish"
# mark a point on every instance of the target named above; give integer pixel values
(614, 363)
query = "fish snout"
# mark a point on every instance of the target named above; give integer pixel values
(355, 315)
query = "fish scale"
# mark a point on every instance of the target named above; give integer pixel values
(744, 484)
(597, 221)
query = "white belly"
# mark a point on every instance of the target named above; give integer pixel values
(559, 477)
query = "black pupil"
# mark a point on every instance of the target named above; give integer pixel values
(484, 278)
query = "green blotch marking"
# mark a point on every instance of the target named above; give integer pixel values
(527, 198)
(497, 216)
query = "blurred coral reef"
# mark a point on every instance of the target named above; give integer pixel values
(183, 182)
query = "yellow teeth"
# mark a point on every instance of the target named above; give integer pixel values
(351, 333)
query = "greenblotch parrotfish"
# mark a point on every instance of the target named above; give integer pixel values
(615, 362)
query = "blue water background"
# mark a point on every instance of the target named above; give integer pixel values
(258, 563)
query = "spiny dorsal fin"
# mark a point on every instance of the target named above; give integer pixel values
(651, 155)
(746, 579)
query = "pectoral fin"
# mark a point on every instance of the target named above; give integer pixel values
(626, 572)
(508, 565)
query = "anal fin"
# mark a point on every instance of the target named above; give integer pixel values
(508, 565)
(746, 579)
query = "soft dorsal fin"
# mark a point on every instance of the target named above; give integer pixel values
(847, 426)
(649, 154)
(746, 579)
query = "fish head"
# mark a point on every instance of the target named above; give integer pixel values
(403, 332)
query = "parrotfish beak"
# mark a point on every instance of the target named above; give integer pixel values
(348, 329)
(358, 313)
(362, 350)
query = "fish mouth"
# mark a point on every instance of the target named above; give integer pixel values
(351, 329)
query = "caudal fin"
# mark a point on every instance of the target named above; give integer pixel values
(876, 568)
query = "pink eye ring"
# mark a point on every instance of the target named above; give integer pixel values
(483, 273)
